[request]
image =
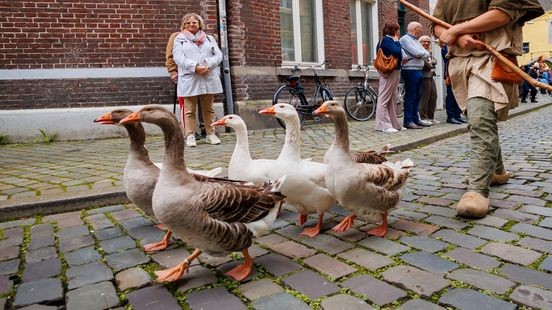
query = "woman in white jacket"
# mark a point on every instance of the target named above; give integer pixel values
(198, 57)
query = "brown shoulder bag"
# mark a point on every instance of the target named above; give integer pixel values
(385, 64)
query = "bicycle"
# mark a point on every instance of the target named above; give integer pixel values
(293, 93)
(361, 101)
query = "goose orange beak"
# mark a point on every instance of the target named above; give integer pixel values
(321, 110)
(105, 119)
(220, 122)
(268, 111)
(134, 117)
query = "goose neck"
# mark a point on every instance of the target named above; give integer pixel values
(292, 145)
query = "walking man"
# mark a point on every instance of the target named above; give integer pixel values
(497, 23)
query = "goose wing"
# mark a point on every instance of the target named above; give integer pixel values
(241, 203)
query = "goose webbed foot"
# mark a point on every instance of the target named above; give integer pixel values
(172, 274)
(241, 272)
(381, 230)
(314, 231)
(175, 273)
(160, 245)
(346, 224)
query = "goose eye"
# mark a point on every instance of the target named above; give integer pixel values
(230, 117)
(282, 106)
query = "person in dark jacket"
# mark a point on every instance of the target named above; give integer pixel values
(386, 111)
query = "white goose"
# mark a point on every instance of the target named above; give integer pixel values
(214, 217)
(305, 186)
(242, 167)
(363, 189)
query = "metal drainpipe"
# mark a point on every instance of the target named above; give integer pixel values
(223, 33)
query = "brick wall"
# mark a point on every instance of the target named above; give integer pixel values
(73, 34)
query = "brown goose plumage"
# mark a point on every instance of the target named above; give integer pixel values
(140, 173)
(370, 156)
(214, 217)
(362, 189)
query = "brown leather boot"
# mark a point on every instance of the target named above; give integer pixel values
(473, 205)
(499, 179)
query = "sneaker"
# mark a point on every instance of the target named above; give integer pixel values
(434, 121)
(403, 128)
(390, 129)
(212, 139)
(191, 141)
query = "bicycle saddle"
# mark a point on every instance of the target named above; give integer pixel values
(292, 78)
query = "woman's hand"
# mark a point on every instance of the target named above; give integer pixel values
(201, 70)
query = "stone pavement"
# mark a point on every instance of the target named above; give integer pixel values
(66, 176)
(431, 259)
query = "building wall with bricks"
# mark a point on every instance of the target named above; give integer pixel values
(63, 53)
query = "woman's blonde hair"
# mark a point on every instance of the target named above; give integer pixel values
(194, 16)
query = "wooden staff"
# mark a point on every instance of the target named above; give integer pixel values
(491, 49)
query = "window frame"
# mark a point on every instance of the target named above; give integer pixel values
(359, 31)
(319, 35)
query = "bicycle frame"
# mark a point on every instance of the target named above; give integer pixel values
(308, 105)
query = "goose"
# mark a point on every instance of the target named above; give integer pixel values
(366, 190)
(305, 186)
(367, 157)
(140, 173)
(214, 217)
(242, 166)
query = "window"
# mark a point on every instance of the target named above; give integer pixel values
(301, 31)
(364, 29)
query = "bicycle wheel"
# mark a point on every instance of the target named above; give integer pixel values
(360, 104)
(286, 94)
(400, 100)
(326, 94)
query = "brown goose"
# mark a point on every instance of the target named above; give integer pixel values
(363, 189)
(371, 156)
(140, 173)
(215, 217)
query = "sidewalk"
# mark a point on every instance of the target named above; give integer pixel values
(64, 176)
(92, 258)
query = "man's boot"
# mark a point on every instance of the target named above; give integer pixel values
(473, 205)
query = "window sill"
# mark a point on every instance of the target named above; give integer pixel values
(372, 74)
(307, 72)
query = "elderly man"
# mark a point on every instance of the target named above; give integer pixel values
(486, 100)
(413, 62)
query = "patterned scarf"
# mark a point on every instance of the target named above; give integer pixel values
(198, 38)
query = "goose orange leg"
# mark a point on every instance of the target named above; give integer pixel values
(381, 230)
(159, 245)
(345, 224)
(314, 231)
(302, 218)
(242, 271)
(176, 272)
(161, 226)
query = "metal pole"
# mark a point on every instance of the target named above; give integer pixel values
(229, 102)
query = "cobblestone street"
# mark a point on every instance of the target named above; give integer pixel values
(430, 259)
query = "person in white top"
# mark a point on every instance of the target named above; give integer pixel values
(198, 58)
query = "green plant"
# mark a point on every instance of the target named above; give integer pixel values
(4, 139)
(45, 137)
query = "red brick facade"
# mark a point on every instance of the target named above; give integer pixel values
(72, 34)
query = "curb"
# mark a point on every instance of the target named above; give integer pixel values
(61, 205)
(459, 131)
(116, 197)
